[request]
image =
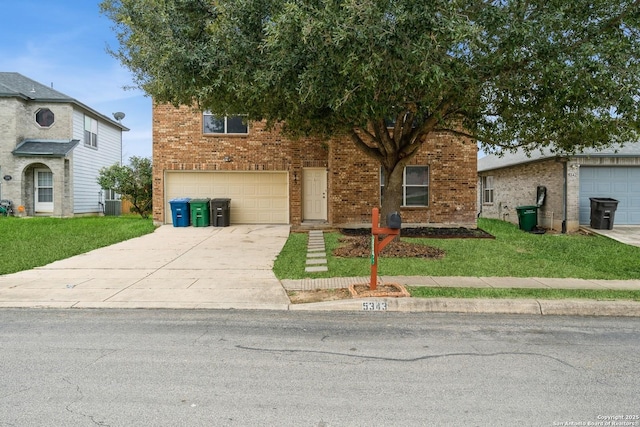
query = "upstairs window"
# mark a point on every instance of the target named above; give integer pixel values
(415, 186)
(213, 124)
(45, 117)
(90, 132)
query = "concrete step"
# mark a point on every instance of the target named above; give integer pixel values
(316, 257)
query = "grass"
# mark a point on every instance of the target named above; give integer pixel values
(513, 253)
(548, 294)
(33, 242)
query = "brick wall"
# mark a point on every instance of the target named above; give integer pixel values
(18, 123)
(516, 186)
(353, 179)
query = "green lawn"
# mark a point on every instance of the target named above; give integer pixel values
(513, 253)
(33, 242)
(533, 293)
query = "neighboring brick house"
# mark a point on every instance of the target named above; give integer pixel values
(51, 149)
(570, 181)
(272, 179)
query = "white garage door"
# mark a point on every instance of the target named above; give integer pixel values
(256, 197)
(620, 183)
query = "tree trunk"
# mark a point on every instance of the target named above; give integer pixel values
(392, 197)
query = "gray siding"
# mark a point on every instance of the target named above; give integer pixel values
(87, 162)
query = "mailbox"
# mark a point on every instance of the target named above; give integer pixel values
(394, 220)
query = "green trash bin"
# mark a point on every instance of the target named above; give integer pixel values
(199, 212)
(527, 217)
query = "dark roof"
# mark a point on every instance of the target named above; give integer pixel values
(15, 85)
(45, 147)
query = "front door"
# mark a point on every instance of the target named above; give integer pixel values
(43, 180)
(314, 194)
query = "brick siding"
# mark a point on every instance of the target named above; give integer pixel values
(516, 186)
(353, 179)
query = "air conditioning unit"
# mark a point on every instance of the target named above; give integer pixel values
(113, 207)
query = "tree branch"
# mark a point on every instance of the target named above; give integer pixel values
(366, 149)
(382, 136)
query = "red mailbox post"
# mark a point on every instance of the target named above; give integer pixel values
(377, 245)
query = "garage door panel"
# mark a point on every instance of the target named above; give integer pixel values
(620, 183)
(619, 173)
(620, 187)
(604, 187)
(256, 197)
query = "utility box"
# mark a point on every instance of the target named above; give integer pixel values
(199, 211)
(112, 207)
(603, 212)
(220, 212)
(180, 212)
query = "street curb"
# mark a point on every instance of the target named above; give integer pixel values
(480, 306)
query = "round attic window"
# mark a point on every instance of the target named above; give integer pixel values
(44, 117)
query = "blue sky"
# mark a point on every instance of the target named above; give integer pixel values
(64, 43)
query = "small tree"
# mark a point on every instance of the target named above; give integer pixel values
(132, 181)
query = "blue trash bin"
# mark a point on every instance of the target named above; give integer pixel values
(180, 211)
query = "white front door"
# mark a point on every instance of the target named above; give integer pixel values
(315, 194)
(43, 180)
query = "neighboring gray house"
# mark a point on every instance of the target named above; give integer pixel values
(570, 181)
(51, 149)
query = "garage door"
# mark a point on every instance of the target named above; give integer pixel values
(256, 197)
(620, 183)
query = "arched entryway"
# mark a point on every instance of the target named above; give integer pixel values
(38, 189)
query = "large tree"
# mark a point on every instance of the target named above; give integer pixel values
(387, 73)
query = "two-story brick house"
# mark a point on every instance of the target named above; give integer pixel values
(51, 149)
(273, 179)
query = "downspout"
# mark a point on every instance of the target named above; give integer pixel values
(480, 199)
(564, 196)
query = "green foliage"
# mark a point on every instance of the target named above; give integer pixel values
(506, 73)
(33, 242)
(133, 181)
(513, 253)
(519, 73)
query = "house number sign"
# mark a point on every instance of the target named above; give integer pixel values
(374, 306)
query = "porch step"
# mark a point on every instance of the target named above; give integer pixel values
(316, 253)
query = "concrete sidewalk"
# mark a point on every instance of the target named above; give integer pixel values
(576, 307)
(231, 268)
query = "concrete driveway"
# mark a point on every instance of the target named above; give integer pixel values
(629, 234)
(173, 267)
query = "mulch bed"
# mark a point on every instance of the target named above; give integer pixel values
(429, 232)
(360, 246)
(356, 242)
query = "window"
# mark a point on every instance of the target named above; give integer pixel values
(415, 186)
(224, 124)
(45, 187)
(110, 194)
(487, 189)
(45, 117)
(90, 132)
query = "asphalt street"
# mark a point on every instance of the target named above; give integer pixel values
(114, 367)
